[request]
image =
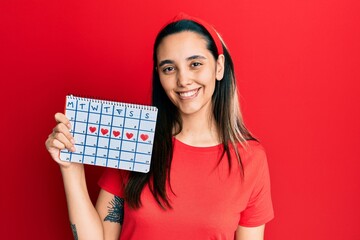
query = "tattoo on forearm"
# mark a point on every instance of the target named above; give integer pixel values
(115, 210)
(73, 228)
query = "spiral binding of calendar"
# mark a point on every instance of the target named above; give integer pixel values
(114, 103)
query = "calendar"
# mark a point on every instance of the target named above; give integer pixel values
(110, 134)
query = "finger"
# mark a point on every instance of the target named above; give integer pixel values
(61, 128)
(58, 144)
(57, 141)
(54, 146)
(61, 118)
(65, 141)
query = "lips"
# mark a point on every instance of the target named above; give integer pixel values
(189, 94)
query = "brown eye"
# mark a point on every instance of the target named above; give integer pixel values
(196, 64)
(168, 69)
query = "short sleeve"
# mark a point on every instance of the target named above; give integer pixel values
(112, 181)
(259, 209)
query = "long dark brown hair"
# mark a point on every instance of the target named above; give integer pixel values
(226, 110)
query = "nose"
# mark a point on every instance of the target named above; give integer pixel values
(183, 78)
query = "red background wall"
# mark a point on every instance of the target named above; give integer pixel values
(297, 63)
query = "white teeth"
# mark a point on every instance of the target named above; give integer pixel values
(188, 94)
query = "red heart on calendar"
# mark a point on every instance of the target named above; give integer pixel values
(92, 129)
(144, 137)
(129, 135)
(104, 131)
(116, 133)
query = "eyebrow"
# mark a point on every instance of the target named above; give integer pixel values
(195, 57)
(162, 63)
(167, 61)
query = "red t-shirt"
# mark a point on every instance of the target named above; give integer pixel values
(209, 202)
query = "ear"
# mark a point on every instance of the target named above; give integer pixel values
(220, 63)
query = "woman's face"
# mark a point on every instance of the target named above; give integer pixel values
(188, 72)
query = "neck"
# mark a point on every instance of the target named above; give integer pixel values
(199, 130)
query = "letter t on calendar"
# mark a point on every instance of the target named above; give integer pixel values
(110, 134)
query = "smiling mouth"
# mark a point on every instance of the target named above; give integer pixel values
(189, 94)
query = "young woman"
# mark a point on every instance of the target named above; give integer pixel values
(209, 177)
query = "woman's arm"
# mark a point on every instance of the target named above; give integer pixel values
(85, 221)
(111, 212)
(250, 233)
